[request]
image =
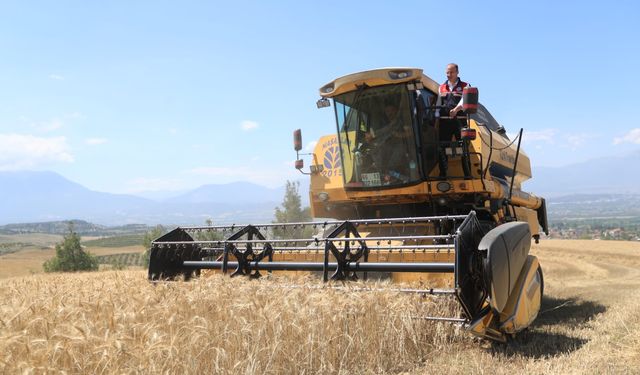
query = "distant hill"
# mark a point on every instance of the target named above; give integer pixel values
(81, 227)
(608, 175)
(27, 197)
(233, 192)
(46, 196)
(611, 185)
(594, 206)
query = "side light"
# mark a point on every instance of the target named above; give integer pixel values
(299, 164)
(468, 134)
(297, 139)
(327, 89)
(323, 196)
(318, 168)
(443, 186)
(399, 74)
(470, 95)
(323, 103)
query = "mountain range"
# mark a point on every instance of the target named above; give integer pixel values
(29, 196)
(607, 175)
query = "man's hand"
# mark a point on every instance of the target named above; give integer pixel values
(368, 137)
(454, 112)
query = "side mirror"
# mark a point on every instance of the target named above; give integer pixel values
(470, 97)
(297, 140)
(323, 103)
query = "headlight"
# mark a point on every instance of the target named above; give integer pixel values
(443, 186)
(399, 74)
(327, 89)
(323, 196)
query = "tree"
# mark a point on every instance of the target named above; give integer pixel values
(210, 235)
(151, 235)
(70, 256)
(292, 212)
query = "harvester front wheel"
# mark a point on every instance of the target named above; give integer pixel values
(540, 276)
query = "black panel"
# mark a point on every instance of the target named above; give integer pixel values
(507, 247)
(468, 267)
(165, 262)
(542, 216)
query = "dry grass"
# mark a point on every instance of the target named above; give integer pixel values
(29, 260)
(116, 322)
(39, 239)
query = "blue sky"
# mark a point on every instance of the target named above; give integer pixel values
(130, 96)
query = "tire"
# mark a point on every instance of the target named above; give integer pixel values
(539, 271)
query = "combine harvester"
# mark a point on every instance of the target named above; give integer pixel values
(402, 205)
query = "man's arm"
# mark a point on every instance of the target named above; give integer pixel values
(458, 108)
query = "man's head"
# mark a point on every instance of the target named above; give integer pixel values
(452, 72)
(391, 111)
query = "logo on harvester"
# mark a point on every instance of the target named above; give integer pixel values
(332, 158)
(332, 163)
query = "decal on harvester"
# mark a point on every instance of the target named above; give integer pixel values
(331, 158)
(332, 163)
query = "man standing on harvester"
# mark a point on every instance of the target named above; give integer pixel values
(450, 101)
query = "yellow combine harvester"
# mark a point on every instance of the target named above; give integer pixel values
(398, 202)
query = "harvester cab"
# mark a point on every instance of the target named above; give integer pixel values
(393, 198)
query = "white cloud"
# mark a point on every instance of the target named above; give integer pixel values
(56, 77)
(191, 178)
(546, 135)
(95, 141)
(248, 125)
(54, 123)
(74, 115)
(48, 126)
(541, 138)
(576, 141)
(19, 151)
(311, 146)
(257, 173)
(633, 136)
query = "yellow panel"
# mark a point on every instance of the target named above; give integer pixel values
(524, 303)
(531, 217)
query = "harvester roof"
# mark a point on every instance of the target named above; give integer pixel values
(376, 77)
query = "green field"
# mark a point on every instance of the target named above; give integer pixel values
(122, 259)
(116, 241)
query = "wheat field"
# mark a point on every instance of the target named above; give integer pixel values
(117, 322)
